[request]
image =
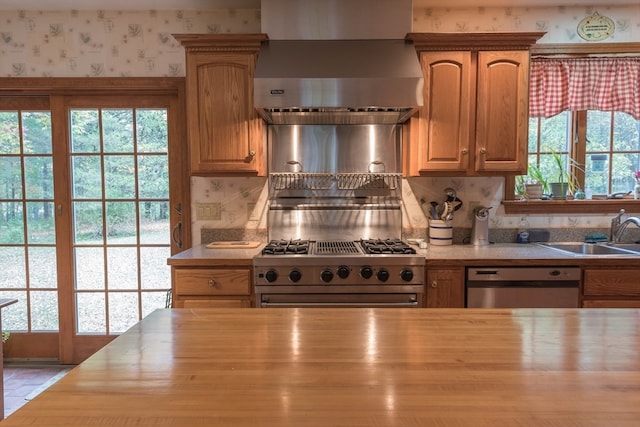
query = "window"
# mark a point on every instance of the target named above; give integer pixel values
(596, 138)
(600, 150)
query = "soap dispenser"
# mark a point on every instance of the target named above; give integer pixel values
(480, 228)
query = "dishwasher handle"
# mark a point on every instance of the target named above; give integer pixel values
(522, 274)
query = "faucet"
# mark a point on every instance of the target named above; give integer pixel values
(618, 226)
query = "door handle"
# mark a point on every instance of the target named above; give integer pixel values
(176, 234)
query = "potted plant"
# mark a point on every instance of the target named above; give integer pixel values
(566, 181)
(535, 184)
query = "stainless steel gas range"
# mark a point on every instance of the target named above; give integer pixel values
(335, 221)
(364, 273)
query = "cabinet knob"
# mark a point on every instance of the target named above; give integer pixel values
(434, 284)
(483, 150)
(250, 156)
(213, 283)
(465, 151)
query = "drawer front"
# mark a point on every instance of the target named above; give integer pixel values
(207, 281)
(611, 282)
(213, 303)
(611, 303)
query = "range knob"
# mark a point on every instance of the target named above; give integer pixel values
(366, 272)
(343, 272)
(271, 276)
(295, 275)
(406, 274)
(382, 275)
(326, 275)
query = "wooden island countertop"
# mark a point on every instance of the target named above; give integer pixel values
(356, 367)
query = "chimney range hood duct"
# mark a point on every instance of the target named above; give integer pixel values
(337, 62)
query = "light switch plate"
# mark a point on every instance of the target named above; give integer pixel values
(208, 211)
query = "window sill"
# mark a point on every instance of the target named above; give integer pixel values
(570, 206)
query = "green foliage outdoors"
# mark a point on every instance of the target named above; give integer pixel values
(129, 138)
(620, 135)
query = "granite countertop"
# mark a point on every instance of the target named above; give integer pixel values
(493, 251)
(238, 256)
(496, 251)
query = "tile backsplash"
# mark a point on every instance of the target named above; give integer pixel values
(243, 212)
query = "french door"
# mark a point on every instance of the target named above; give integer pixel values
(90, 216)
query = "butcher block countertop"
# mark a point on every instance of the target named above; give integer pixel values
(356, 367)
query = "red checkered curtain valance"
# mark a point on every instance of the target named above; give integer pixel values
(606, 84)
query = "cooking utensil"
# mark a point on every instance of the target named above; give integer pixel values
(429, 209)
(450, 192)
(447, 212)
(453, 197)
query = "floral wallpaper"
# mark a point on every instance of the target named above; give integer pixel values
(560, 22)
(106, 43)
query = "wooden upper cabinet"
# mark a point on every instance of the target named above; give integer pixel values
(444, 121)
(502, 111)
(224, 130)
(475, 115)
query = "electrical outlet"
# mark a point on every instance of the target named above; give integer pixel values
(208, 211)
(252, 213)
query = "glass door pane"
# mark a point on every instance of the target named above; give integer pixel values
(27, 222)
(120, 205)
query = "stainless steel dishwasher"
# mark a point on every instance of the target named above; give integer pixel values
(523, 287)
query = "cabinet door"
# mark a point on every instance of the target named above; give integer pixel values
(502, 115)
(445, 288)
(442, 139)
(225, 132)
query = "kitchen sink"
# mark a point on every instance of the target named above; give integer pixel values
(593, 249)
(635, 247)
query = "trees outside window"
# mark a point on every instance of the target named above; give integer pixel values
(601, 148)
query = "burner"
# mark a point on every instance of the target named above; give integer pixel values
(387, 246)
(286, 247)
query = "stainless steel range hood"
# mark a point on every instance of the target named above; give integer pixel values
(337, 62)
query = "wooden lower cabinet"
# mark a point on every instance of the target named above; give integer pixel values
(444, 288)
(211, 287)
(611, 288)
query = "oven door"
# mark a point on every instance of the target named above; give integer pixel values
(339, 296)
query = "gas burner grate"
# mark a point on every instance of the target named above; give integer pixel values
(386, 246)
(336, 248)
(286, 247)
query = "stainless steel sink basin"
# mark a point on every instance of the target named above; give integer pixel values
(635, 247)
(590, 249)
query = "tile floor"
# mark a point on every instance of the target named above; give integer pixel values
(23, 381)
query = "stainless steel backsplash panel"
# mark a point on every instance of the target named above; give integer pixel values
(334, 224)
(334, 148)
(312, 195)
